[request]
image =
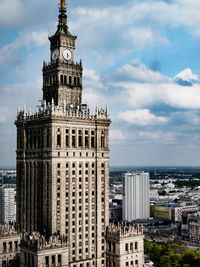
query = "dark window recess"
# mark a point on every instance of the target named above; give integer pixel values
(86, 141)
(136, 245)
(48, 139)
(65, 79)
(47, 260)
(74, 80)
(102, 142)
(73, 141)
(53, 259)
(80, 141)
(92, 141)
(67, 141)
(59, 258)
(70, 79)
(58, 140)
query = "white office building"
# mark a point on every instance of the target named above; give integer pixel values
(7, 204)
(135, 196)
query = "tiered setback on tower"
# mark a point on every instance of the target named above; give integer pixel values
(36, 250)
(63, 172)
(125, 246)
(9, 244)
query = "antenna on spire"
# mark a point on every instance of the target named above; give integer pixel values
(62, 6)
(62, 16)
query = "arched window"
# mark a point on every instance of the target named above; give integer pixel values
(70, 79)
(102, 139)
(48, 138)
(61, 78)
(74, 80)
(65, 79)
(78, 81)
(58, 140)
(54, 79)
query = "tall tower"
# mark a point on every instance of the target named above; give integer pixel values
(63, 158)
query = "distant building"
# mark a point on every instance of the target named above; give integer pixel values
(7, 204)
(115, 210)
(194, 227)
(135, 196)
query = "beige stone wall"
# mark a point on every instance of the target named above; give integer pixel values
(56, 257)
(125, 251)
(9, 247)
(67, 187)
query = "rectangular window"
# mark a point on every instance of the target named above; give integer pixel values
(73, 141)
(136, 245)
(4, 247)
(59, 258)
(86, 141)
(80, 138)
(47, 260)
(67, 140)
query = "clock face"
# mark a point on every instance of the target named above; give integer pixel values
(55, 54)
(67, 54)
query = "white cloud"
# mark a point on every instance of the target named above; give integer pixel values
(9, 53)
(158, 136)
(148, 88)
(140, 72)
(116, 134)
(5, 113)
(141, 117)
(186, 75)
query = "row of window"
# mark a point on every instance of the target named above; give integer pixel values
(80, 139)
(64, 79)
(113, 263)
(79, 164)
(40, 138)
(9, 247)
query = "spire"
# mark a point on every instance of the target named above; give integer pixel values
(62, 19)
(62, 16)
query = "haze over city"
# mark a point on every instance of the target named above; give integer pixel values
(140, 57)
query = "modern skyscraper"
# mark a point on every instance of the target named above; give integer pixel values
(63, 158)
(135, 196)
(7, 204)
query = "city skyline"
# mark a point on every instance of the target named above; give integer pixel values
(140, 58)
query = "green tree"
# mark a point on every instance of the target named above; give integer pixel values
(165, 261)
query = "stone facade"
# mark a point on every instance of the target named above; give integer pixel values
(37, 251)
(63, 159)
(9, 244)
(125, 246)
(63, 173)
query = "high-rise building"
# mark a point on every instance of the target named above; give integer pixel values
(7, 204)
(135, 196)
(63, 158)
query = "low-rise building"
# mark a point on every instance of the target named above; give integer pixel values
(125, 245)
(37, 251)
(194, 227)
(9, 244)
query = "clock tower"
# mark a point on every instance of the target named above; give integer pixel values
(63, 163)
(62, 77)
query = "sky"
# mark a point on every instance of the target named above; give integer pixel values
(141, 57)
